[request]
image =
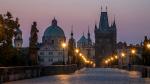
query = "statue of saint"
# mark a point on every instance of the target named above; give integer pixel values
(33, 44)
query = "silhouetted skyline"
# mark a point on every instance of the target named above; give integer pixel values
(132, 16)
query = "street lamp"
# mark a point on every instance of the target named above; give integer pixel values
(131, 60)
(109, 60)
(77, 51)
(133, 51)
(76, 58)
(80, 54)
(106, 62)
(112, 58)
(63, 46)
(148, 45)
(116, 57)
(123, 54)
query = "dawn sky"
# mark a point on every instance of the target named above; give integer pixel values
(132, 16)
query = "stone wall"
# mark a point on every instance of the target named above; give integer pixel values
(27, 72)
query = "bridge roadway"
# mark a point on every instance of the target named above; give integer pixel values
(90, 76)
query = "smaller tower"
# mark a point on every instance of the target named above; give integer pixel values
(18, 41)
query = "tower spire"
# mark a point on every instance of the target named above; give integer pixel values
(88, 34)
(88, 31)
(89, 38)
(101, 8)
(72, 31)
(103, 24)
(114, 23)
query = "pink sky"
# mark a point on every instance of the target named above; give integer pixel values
(132, 16)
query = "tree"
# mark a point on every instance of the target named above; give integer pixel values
(7, 27)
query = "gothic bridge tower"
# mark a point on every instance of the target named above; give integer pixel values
(105, 38)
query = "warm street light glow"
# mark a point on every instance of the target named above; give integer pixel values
(77, 50)
(64, 45)
(133, 51)
(94, 65)
(123, 54)
(106, 62)
(80, 54)
(116, 57)
(112, 58)
(91, 62)
(148, 45)
(87, 61)
(109, 60)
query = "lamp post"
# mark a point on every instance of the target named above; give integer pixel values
(76, 57)
(133, 52)
(106, 62)
(63, 46)
(148, 45)
(122, 56)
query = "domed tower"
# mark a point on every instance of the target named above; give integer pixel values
(18, 41)
(51, 50)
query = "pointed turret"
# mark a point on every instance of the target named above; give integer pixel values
(114, 23)
(103, 25)
(89, 38)
(88, 35)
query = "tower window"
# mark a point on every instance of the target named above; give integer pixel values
(52, 42)
(41, 53)
(50, 53)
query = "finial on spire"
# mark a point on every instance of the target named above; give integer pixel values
(83, 33)
(54, 22)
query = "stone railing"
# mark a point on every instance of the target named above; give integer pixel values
(58, 69)
(145, 70)
(18, 73)
(28, 72)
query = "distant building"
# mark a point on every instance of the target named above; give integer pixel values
(105, 38)
(50, 50)
(18, 41)
(122, 47)
(86, 46)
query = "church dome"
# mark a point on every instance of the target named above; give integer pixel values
(54, 30)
